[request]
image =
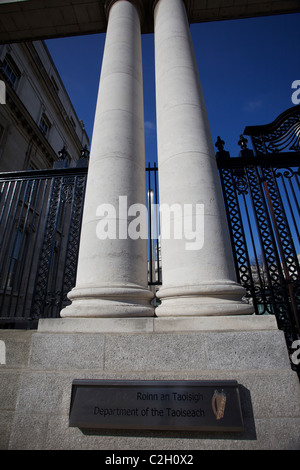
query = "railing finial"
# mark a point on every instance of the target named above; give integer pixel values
(220, 144)
(62, 154)
(243, 142)
(221, 152)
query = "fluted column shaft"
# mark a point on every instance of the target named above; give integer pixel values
(198, 275)
(112, 271)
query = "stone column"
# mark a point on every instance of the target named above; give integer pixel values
(112, 269)
(197, 272)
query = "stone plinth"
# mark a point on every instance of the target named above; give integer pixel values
(253, 353)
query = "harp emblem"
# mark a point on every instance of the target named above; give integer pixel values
(218, 404)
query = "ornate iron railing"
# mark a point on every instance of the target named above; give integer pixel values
(262, 194)
(40, 220)
(40, 223)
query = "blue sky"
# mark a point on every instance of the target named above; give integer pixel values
(246, 67)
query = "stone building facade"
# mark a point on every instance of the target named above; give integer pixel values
(38, 119)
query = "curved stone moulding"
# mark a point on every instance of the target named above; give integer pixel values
(93, 302)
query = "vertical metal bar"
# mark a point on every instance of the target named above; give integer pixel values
(224, 190)
(52, 268)
(18, 229)
(71, 256)
(158, 279)
(265, 232)
(282, 254)
(35, 214)
(296, 200)
(10, 237)
(72, 210)
(55, 257)
(7, 186)
(150, 227)
(288, 199)
(9, 209)
(252, 284)
(42, 275)
(28, 232)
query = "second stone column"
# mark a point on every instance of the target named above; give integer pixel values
(197, 266)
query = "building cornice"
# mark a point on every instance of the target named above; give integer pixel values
(69, 18)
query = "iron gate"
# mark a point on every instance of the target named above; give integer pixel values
(261, 191)
(40, 221)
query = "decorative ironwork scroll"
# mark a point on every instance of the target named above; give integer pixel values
(70, 265)
(56, 273)
(46, 255)
(231, 184)
(281, 135)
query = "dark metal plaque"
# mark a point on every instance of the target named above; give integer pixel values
(156, 405)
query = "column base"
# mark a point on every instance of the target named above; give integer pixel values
(120, 302)
(203, 300)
